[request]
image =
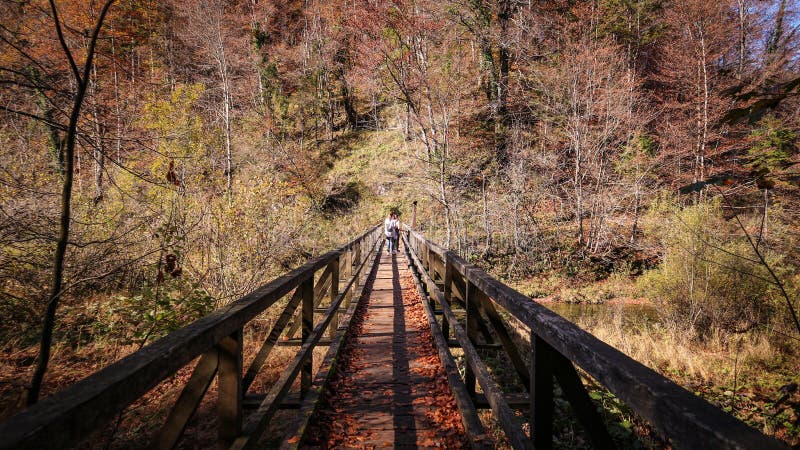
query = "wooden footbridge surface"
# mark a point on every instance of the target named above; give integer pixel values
(405, 340)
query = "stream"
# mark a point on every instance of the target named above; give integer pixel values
(630, 315)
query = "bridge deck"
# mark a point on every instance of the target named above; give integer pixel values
(390, 390)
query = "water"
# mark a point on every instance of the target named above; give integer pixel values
(629, 315)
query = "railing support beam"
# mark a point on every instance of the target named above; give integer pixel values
(472, 333)
(447, 289)
(186, 405)
(541, 419)
(334, 292)
(229, 402)
(308, 325)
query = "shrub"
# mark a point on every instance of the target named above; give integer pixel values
(709, 278)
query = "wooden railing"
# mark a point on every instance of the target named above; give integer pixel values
(556, 347)
(69, 417)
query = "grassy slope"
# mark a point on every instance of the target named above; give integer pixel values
(379, 163)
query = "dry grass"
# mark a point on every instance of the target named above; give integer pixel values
(673, 351)
(744, 374)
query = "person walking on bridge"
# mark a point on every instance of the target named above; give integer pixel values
(396, 232)
(390, 229)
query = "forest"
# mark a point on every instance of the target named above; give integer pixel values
(631, 164)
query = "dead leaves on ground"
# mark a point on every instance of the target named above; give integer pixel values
(343, 419)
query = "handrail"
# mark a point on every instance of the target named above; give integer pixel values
(687, 420)
(68, 416)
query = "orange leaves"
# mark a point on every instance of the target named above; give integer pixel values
(390, 388)
(171, 266)
(171, 176)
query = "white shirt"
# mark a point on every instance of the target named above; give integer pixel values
(391, 227)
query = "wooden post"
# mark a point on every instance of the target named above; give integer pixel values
(448, 283)
(541, 419)
(343, 263)
(308, 326)
(229, 402)
(472, 332)
(348, 272)
(414, 214)
(334, 325)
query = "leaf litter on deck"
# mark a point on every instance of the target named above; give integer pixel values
(358, 411)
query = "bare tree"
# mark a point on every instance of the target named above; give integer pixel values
(81, 79)
(211, 29)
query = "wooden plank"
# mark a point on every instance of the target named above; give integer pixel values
(346, 268)
(323, 283)
(678, 414)
(258, 420)
(455, 344)
(476, 433)
(229, 389)
(541, 417)
(253, 401)
(74, 412)
(357, 255)
(502, 412)
(187, 403)
(298, 342)
(516, 400)
(585, 410)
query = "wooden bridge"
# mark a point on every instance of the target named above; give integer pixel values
(464, 309)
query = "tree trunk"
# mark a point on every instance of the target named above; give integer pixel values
(486, 224)
(347, 102)
(222, 66)
(66, 198)
(578, 180)
(636, 203)
(706, 99)
(742, 4)
(776, 34)
(501, 121)
(53, 133)
(99, 149)
(763, 235)
(118, 113)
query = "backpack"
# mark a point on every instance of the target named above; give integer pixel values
(388, 227)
